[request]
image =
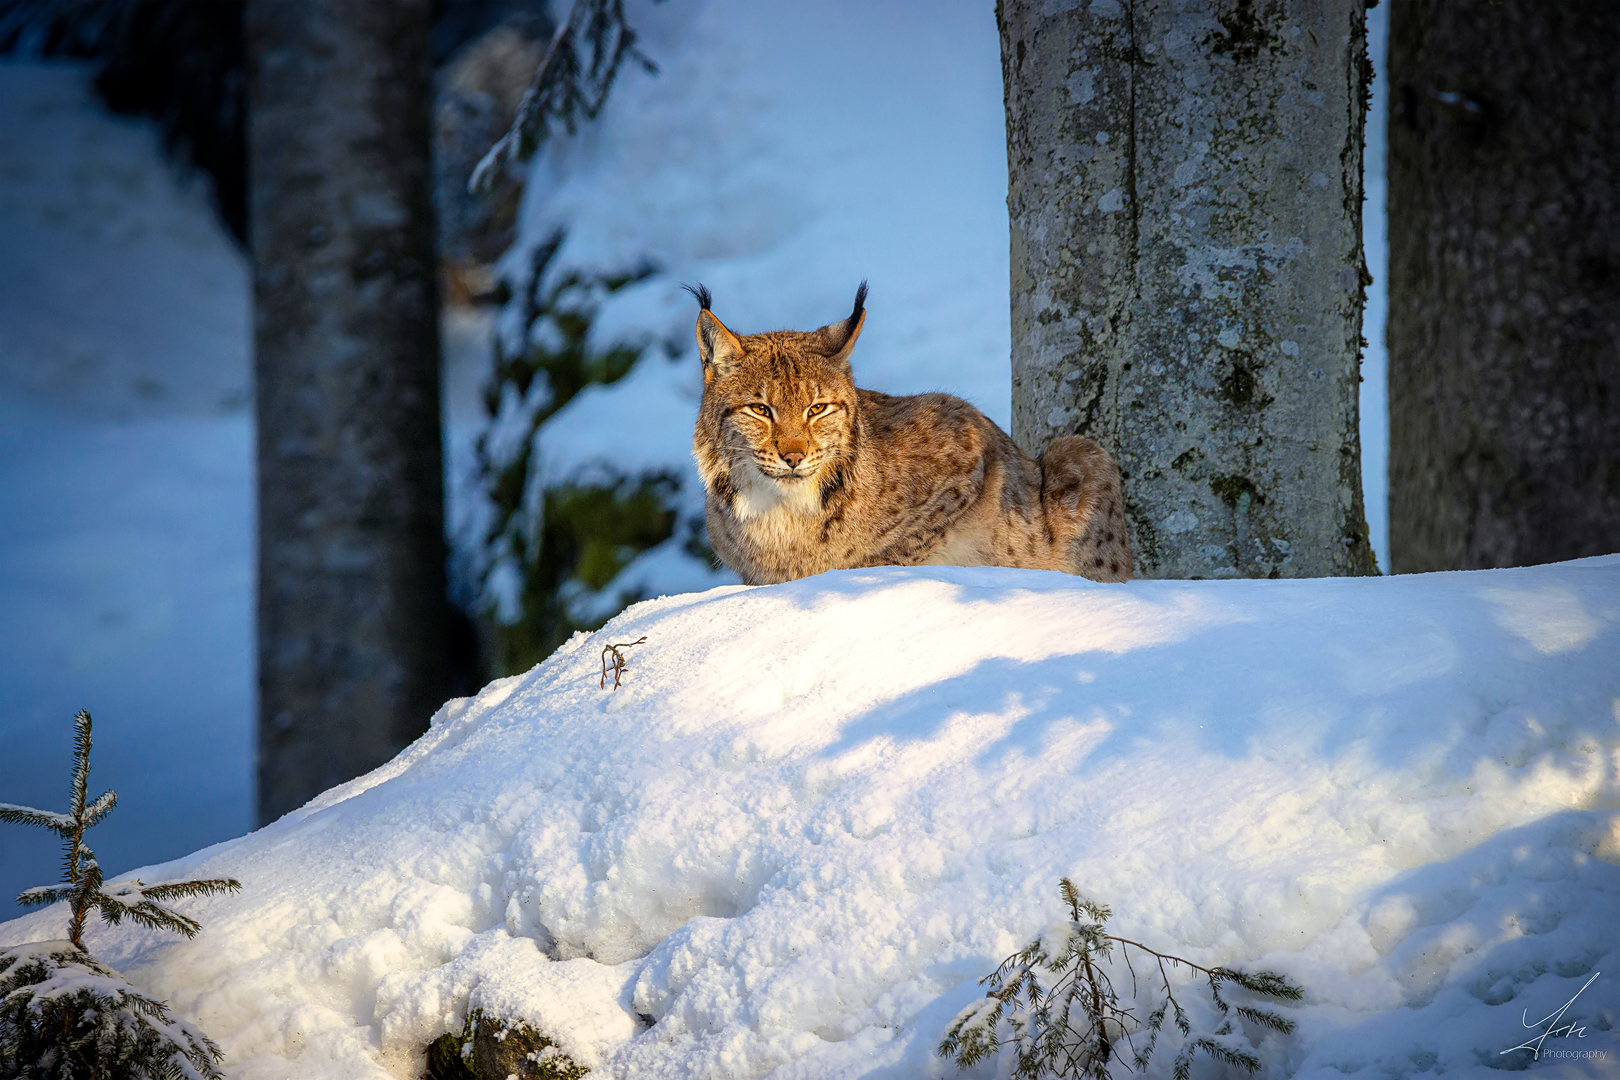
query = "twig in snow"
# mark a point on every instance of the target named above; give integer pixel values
(617, 663)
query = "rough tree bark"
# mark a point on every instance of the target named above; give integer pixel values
(351, 539)
(1187, 276)
(1504, 266)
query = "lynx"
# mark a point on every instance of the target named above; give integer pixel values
(805, 472)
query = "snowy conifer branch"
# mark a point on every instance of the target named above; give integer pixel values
(209, 887)
(65, 1014)
(81, 763)
(566, 86)
(99, 809)
(139, 902)
(44, 894)
(1055, 1005)
(27, 815)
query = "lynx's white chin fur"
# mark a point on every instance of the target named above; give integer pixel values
(762, 497)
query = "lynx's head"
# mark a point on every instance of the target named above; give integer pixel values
(777, 427)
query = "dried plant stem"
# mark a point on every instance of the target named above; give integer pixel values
(613, 659)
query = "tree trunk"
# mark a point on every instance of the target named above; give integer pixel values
(351, 538)
(1504, 299)
(1185, 196)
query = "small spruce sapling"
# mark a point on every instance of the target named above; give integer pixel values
(1055, 1004)
(63, 1014)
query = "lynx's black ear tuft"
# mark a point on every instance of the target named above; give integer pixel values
(838, 339)
(719, 347)
(701, 292)
(860, 307)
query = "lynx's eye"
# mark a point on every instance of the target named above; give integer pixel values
(761, 410)
(817, 409)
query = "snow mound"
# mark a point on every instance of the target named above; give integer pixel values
(817, 813)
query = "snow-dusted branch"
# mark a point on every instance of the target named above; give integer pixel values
(64, 1013)
(573, 79)
(140, 902)
(1054, 1003)
(27, 815)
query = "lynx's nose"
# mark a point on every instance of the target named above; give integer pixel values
(793, 457)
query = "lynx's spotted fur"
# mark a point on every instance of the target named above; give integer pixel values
(804, 472)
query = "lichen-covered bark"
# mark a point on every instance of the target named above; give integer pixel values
(351, 538)
(1504, 300)
(1187, 275)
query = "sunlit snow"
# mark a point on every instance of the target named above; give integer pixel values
(817, 813)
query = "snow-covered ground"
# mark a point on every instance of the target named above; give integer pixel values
(817, 813)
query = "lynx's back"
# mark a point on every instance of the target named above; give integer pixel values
(803, 472)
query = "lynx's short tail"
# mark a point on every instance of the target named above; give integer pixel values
(1085, 511)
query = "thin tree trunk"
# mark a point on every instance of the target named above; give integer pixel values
(1504, 299)
(351, 539)
(1185, 196)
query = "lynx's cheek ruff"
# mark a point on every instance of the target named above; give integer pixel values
(804, 472)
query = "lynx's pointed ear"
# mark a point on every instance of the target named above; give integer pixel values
(718, 346)
(838, 339)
